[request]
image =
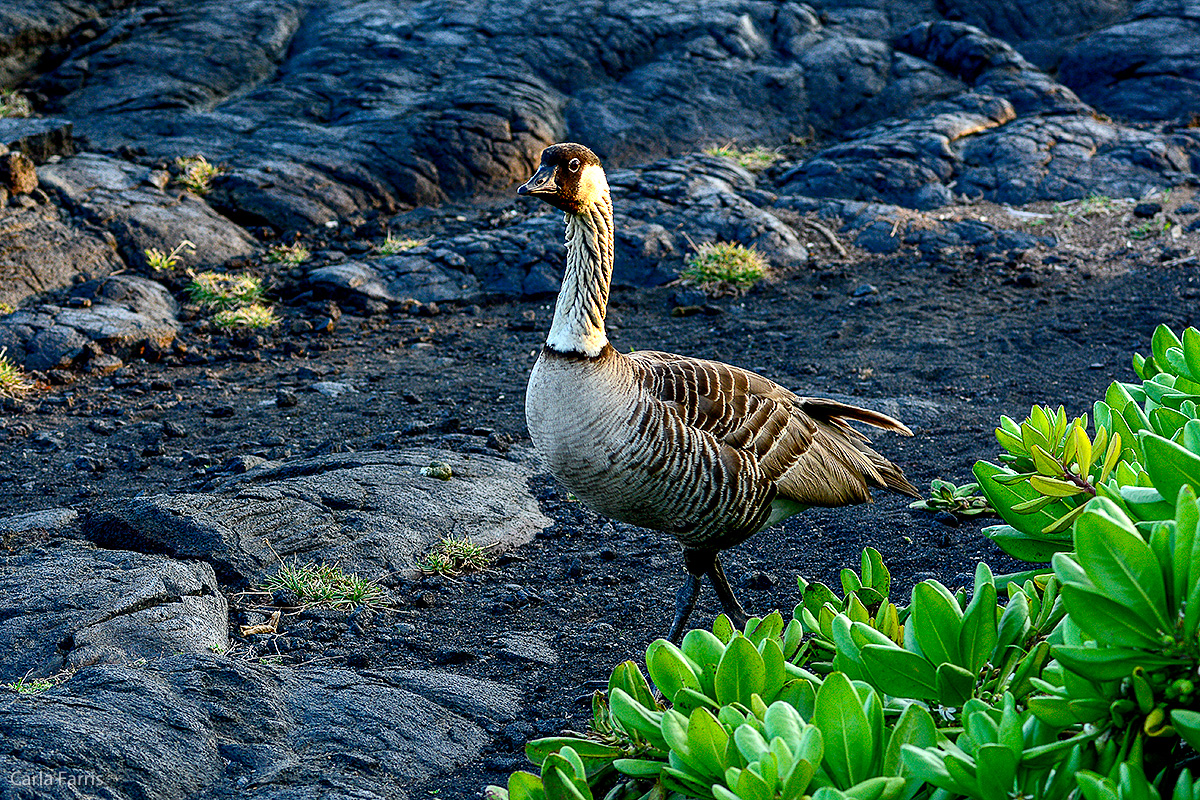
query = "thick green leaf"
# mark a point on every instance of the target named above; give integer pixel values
(929, 765)
(1119, 561)
(1191, 352)
(774, 675)
(878, 788)
(628, 677)
(1187, 515)
(977, 638)
(849, 749)
(525, 786)
(900, 673)
(1107, 620)
(1170, 465)
(914, 727)
(707, 740)
(1187, 725)
(1163, 340)
(936, 620)
(1034, 549)
(670, 669)
(874, 573)
(537, 750)
(1003, 498)
(688, 700)
(560, 784)
(636, 718)
(639, 767)
(705, 650)
(1014, 624)
(996, 767)
(740, 673)
(1108, 663)
(955, 685)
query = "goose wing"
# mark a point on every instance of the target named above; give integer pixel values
(804, 446)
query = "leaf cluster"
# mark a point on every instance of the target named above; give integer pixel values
(196, 173)
(963, 501)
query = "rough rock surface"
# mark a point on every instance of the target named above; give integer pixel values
(1144, 67)
(122, 197)
(301, 101)
(119, 315)
(1014, 136)
(193, 725)
(72, 604)
(372, 513)
(40, 251)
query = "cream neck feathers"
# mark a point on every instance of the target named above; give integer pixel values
(578, 325)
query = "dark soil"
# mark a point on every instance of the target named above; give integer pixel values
(974, 338)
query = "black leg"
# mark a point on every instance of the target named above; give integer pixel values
(699, 563)
(685, 601)
(733, 609)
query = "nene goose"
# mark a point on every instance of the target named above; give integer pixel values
(706, 452)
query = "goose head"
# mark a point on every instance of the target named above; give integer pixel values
(569, 178)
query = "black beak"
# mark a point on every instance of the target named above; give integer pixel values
(542, 182)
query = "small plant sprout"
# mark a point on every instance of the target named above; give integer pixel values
(255, 316)
(13, 382)
(724, 265)
(25, 685)
(14, 104)
(754, 159)
(325, 585)
(221, 291)
(397, 244)
(6, 308)
(455, 556)
(294, 253)
(965, 500)
(196, 173)
(160, 261)
(1149, 229)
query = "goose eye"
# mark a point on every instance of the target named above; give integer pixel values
(573, 165)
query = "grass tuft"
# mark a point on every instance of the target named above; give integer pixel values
(14, 104)
(13, 382)
(160, 261)
(453, 556)
(224, 291)
(254, 316)
(294, 253)
(397, 244)
(754, 159)
(724, 264)
(196, 173)
(325, 585)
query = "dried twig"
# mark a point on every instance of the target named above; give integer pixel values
(830, 235)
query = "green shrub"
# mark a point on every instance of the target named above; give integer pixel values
(251, 317)
(219, 291)
(294, 253)
(13, 381)
(717, 265)
(13, 104)
(325, 585)
(160, 261)
(755, 159)
(196, 173)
